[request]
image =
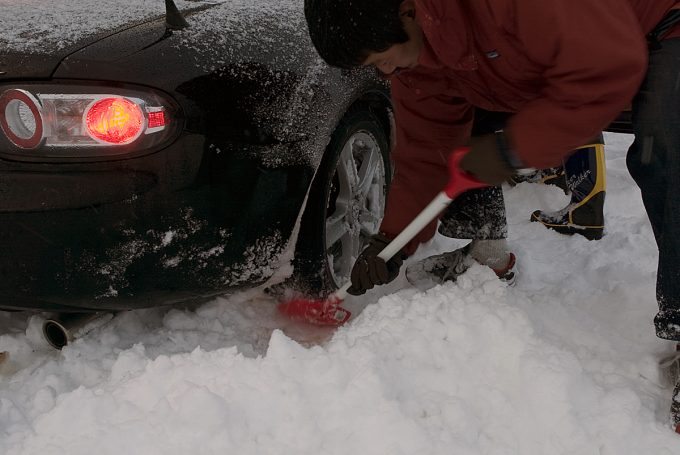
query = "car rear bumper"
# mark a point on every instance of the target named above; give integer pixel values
(182, 224)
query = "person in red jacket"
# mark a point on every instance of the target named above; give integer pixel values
(562, 70)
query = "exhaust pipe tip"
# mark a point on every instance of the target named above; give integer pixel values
(56, 334)
(65, 328)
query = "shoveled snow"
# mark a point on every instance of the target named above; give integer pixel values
(566, 362)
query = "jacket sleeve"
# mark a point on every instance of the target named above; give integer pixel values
(595, 56)
(429, 124)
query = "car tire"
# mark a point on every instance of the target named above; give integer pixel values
(346, 203)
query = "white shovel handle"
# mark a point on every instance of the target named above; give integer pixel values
(429, 213)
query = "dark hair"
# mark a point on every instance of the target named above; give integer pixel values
(344, 32)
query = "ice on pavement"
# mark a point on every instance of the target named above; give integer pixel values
(565, 362)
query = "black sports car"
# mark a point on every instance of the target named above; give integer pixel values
(149, 158)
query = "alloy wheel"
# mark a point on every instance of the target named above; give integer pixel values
(356, 202)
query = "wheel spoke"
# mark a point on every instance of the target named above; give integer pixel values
(336, 224)
(372, 162)
(347, 170)
(350, 250)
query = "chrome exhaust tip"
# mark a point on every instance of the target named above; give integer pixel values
(63, 329)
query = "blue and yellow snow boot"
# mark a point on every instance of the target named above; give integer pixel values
(586, 181)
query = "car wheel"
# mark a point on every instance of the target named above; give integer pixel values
(346, 203)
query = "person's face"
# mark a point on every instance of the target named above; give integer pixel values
(404, 55)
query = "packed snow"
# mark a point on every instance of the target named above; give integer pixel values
(565, 362)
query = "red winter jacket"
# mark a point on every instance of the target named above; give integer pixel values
(566, 68)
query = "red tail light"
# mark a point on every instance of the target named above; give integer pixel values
(65, 120)
(114, 120)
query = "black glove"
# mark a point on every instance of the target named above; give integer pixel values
(370, 270)
(490, 159)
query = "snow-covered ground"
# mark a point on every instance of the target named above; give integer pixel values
(566, 362)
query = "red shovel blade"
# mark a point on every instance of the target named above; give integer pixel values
(320, 312)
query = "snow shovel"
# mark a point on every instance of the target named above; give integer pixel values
(328, 311)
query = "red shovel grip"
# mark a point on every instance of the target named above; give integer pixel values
(459, 180)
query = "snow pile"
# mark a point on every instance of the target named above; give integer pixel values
(566, 362)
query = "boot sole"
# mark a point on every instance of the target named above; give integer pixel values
(591, 233)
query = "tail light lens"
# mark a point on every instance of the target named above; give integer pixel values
(114, 121)
(40, 120)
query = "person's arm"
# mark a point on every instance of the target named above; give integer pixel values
(595, 57)
(428, 127)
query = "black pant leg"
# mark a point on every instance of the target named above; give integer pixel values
(654, 162)
(478, 214)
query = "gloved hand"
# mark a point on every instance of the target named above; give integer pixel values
(489, 159)
(370, 270)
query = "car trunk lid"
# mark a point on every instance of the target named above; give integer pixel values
(16, 65)
(39, 34)
(40, 61)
